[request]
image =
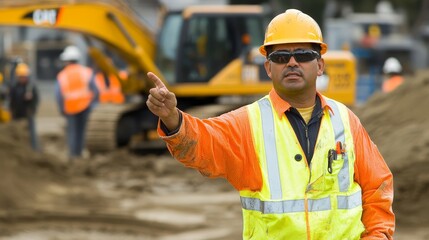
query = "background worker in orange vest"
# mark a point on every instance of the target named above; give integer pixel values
(393, 74)
(23, 101)
(109, 88)
(303, 164)
(75, 92)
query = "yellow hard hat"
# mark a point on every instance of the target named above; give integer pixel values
(293, 26)
(22, 70)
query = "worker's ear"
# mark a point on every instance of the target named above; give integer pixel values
(321, 66)
(267, 66)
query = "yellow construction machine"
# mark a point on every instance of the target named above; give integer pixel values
(340, 77)
(204, 54)
(4, 113)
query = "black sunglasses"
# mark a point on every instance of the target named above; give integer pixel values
(283, 56)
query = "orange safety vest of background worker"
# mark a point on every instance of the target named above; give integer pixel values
(74, 84)
(392, 83)
(110, 92)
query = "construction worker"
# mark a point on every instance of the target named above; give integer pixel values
(23, 101)
(303, 164)
(109, 88)
(75, 92)
(393, 75)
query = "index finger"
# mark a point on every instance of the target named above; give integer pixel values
(155, 79)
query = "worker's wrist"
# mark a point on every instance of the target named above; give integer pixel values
(172, 122)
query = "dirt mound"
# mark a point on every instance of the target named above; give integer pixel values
(33, 181)
(24, 173)
(398, 123)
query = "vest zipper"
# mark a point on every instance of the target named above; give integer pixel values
(307, 138)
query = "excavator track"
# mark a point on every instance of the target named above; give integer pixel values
(101, 133)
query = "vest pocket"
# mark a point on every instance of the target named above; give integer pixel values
(337, 164)
(323, 180)
(331, 178)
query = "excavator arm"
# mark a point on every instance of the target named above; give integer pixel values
(109, 21)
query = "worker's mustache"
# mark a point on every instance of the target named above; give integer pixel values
(292, 70)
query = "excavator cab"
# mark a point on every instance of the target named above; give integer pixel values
(196, 44)
(206, 52)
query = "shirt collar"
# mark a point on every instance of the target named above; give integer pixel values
(281, 106)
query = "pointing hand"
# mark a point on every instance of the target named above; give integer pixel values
(162, 103)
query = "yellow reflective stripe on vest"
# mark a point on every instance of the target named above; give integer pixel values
(270, 148)
(338, 125)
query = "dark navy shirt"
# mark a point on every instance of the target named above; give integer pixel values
(306, 133)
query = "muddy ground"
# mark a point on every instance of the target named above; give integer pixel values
(112, 196)
(122, 195)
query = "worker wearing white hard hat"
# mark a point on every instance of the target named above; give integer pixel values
(70, 53)
(393, 74)
(75, 93)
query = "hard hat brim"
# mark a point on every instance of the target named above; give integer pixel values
(324, 46)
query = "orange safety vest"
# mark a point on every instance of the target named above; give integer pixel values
(392, 83)
(111, 94)
(74, 85)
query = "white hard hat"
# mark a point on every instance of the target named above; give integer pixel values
(392, 65)
(70, 53)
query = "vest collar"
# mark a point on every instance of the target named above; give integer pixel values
(281, 106)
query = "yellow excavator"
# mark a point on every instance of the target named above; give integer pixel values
(204, 54)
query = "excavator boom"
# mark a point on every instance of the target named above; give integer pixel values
(109, 21)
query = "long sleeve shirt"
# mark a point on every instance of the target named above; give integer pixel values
(223, 147)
